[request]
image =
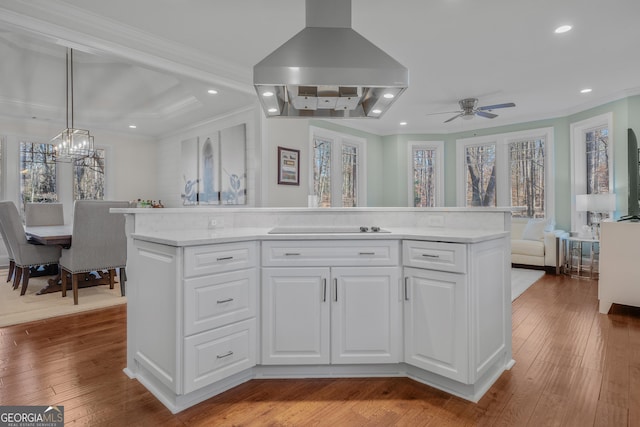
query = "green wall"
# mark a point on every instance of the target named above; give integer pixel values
(387, 156)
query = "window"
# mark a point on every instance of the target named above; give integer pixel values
(526, 158)
(591, 165)
(350, 168)
(322, 171)
(338, 171)
(480, 167)
(510, 169)
(426, 174)
(88, 177)
(37, 173)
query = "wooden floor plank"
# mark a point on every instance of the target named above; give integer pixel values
(574, 367)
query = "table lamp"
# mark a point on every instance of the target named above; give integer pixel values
(598, 204)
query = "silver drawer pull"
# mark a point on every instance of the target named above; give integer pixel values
(222, 301)
(292, 254)
(225, 258)
(222, 356)
(367, 253)
(431, 256)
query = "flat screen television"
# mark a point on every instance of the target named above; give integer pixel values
(634, 195)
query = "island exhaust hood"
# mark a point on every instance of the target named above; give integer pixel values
(328, 70)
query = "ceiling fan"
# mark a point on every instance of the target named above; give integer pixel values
(469, 109)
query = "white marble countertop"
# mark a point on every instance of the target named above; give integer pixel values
(222, 235)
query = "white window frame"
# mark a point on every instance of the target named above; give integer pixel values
(578, 153)
(438, 146)
(337, 141)
(503, 171)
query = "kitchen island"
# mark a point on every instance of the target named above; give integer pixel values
(217, 297)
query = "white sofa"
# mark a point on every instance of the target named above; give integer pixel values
(533, 243)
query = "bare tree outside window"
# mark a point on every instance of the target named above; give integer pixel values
(322, 171)
(424, 179)
(37, 173)
(480, 164)
(597, 150)
(527, 177)
(349, 176)
(88, 177)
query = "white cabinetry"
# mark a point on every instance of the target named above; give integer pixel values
(204, 330)
(456, 311)
(339, 313)
(220, 301)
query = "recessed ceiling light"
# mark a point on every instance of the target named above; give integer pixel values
(376, 111)
(267, 93)
(272, 110)
(403, 123)
(132, 126)
(586, 90)
(562, 29)
(388, 95)
(212, 91)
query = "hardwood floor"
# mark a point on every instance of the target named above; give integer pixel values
(574, 367)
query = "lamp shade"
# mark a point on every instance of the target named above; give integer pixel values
(605, 202)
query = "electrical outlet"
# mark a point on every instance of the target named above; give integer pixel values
(213, 223)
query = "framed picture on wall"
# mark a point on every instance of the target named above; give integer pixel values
(288, 166)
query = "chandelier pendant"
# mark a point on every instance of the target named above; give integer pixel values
(71, 144)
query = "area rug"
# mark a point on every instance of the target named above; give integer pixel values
(15, 309)
(521, 279)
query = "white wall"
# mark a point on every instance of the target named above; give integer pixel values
(130, 164)
(169, 178)
(288, 133)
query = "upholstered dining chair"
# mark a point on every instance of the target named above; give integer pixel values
(98, 243)
(12, 261)
(25, 254)
(36, 214)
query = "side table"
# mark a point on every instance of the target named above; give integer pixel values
(581, 256)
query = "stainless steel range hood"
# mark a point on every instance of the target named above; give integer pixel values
(328, 70)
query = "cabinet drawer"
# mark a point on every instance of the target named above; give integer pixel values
(288, 253)
(435, 255)
(217, 354)
(220, 299)
(209, 259)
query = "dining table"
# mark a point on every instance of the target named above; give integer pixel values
(60, 235)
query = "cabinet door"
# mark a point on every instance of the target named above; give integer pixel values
(366, 325)
(436, 322)
(295, 316)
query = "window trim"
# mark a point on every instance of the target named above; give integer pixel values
(339, 139)
(502, 141)
(577, 157)
(438, 146)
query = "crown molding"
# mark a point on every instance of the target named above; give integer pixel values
(98, 35)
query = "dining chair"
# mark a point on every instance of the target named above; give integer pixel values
(37, 214)
(12, 262)
(98, 243)
(25, 254)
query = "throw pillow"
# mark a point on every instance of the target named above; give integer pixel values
(534, 230)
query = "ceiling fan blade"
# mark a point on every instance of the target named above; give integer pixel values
(454, 117)
(443, 112)
(487, 115)
(496, 106)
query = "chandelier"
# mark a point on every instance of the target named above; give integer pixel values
(71, 144)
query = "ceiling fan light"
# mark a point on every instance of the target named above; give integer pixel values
(562, 29)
